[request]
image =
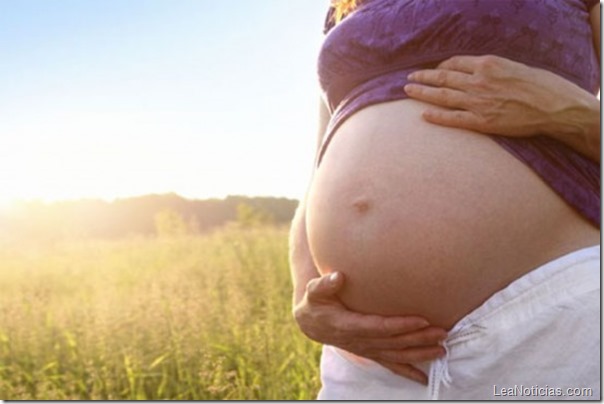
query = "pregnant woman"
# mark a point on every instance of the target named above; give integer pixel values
(492, 238)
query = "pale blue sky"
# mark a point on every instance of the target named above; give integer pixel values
(113, 98)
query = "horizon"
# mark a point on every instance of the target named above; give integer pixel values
(39, 223)
(138, 196)
(108, 99)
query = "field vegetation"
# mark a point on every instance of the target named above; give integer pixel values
(174, 316)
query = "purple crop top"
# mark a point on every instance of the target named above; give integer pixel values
(365, 59)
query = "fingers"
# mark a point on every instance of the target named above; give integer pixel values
(426, 337)
(471, 64)
(412, 355)
(466, 64)
(407, 371)
(400, 362)
(324, 287)
(456, 119)
(441, 78)
(373, 326)
(444, 97)
(431, 336)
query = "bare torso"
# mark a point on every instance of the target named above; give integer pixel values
(430, 220)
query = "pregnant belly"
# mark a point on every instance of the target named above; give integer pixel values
(429, 220)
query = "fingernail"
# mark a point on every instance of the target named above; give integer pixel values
(420, 380)
(411, 76)
(333, 278)
(409, 88)
(423, 323)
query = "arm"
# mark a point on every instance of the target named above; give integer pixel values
(303, 269)
(394, 342)
(494, 95)
(302, 265)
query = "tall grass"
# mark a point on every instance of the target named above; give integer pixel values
(197, 318)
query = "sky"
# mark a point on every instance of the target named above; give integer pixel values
(116, 98)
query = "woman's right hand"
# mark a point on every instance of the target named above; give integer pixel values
(393, 342)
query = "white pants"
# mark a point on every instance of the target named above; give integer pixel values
(539, 338)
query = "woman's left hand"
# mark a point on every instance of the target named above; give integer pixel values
(493, 95)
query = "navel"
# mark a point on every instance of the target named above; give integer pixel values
(361, 205)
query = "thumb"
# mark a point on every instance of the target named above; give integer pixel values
(326, 286)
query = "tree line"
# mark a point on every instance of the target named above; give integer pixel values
(145, 215)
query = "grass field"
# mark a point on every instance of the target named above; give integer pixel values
(187, 318)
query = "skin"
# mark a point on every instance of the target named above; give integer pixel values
(486, 94)
(482, 93)
(394, 342)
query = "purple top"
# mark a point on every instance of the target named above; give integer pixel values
(365, 60)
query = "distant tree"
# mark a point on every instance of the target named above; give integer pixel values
(248, 215)
(145, 215)
(169, 223)
(193, 226)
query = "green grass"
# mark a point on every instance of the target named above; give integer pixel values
(187, 318)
